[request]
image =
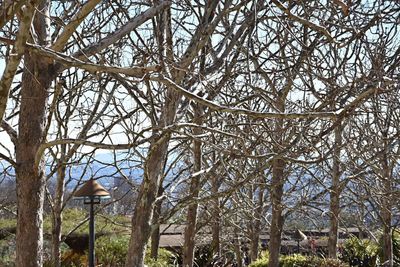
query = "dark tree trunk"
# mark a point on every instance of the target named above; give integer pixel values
(36, 80)
(256, 225)
(191, 218)
(215, 228)
(335, 196)
(387, 238)
(386, 209)
(57, 216)
(155, 234)
(254, 245)
(277, 183)
(141, 220)
(238, 252)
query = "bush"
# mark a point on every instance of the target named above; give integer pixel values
(360, 252)
(71, 258)
(7, 251)
(165, 258)
(262, 261)
(298, 260)
(111, 250)
(295, 260)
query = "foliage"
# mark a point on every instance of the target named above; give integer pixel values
(8, 223)
(165, 258)
(7, 251)
(262, 261)
(298, 260)
(72, 259)
(360, 252)
(203, 256)
(111, 250)
(293, 260)
(73, 216)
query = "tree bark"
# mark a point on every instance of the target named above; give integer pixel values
(17, 52)
(256, 224)
(141, 220)
(215, 228)
(155, 234)
(277, 183)
(335, 196)
(57, 216)
(36, 80)
(255, 239)
(238, 252)
(386, 209)
(191, 218)
(158, 148)
(387, 237)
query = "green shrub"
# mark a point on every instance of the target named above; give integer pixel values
(165, 258)
(333, 263)
(295, 260)
(298, 260)
(261, 261)
(111, 250)
(360, 252)
(7, 251)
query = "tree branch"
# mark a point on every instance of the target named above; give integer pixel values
(124, 30)
(71, 61)
(305, 22)
(253, 114)
(84, 142)
(10, 131)
(15, 56)
(8, 10)
(74, 23)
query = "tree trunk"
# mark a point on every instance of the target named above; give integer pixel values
(155, 234)
(57, 215)
(387, 237)
(238, 252)
(56, 238)
(141, 220)
(335, 195)
(277, 183)
(386, 210)
(215, 228)
(145, 203)
(158, 148)
(36, 80)
(256, 224)
(255, 239)
(191, 219)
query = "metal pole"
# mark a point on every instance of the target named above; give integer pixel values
(91, 234)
